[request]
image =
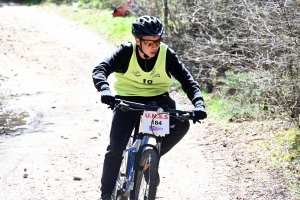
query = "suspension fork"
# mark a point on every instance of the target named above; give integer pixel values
(158, 144)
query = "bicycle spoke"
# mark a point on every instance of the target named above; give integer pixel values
(146, 184)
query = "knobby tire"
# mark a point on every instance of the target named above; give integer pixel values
(147, 179)
(123, 175)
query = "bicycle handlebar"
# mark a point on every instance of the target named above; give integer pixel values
(129, 105)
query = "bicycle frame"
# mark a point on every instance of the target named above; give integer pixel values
(140, 143)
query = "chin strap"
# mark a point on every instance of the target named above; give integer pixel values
(145, 55)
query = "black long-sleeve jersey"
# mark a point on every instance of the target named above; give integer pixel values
(119, 60)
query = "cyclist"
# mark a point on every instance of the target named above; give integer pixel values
(143, 69)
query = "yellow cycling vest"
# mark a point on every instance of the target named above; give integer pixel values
(136, 82)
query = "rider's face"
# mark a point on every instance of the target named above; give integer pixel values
(149, 45)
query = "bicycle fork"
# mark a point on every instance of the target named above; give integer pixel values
(139, 146)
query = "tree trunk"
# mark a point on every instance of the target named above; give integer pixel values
(166, 10)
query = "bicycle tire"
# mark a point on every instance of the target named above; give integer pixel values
(147, 178)
(123, 175)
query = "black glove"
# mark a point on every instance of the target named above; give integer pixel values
(199, 111)
(107, 97)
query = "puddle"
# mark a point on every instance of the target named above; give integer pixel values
(14, 122)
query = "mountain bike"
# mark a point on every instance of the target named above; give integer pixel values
(138, 176)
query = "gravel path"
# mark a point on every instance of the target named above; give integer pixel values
(46, 64)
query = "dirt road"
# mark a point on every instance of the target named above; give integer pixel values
(45, 70)
(46, 65)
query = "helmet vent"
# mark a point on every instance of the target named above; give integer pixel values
(147, 26)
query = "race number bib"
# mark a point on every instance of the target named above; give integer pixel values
(156, 123)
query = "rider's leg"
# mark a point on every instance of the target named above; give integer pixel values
(121, 128)
(178, 129)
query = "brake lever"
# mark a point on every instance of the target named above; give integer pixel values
(195, 121)
(111, 106)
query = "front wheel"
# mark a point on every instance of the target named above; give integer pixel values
(147, 177)
(121, 182)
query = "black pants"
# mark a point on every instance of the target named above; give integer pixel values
(122, 126)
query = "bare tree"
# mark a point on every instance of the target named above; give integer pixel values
(260, 38)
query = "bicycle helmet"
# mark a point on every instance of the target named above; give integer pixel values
(147, 26)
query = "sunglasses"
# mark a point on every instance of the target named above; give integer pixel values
(151, 43)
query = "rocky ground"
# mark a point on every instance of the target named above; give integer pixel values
(46, 64)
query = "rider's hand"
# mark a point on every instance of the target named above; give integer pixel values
(107, 97)
(199, 111)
